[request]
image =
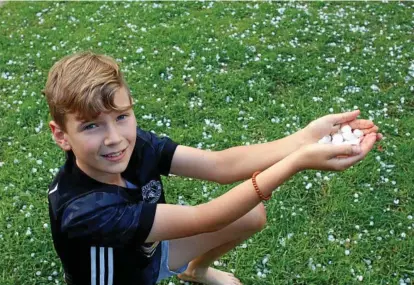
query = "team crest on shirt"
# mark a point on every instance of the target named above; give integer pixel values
(151, 192)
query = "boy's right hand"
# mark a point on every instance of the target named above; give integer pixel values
(333, 157)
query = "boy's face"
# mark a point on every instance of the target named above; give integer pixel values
(102, 146)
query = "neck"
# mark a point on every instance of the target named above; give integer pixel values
(112, 179)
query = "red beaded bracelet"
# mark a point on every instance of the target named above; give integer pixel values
(263, 197)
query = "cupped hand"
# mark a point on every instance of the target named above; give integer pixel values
(333, 157)
(330, 124)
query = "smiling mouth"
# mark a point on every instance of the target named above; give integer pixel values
(114, 154)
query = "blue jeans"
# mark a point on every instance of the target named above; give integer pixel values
(165, 271)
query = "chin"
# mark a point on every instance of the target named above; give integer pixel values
(117, 169)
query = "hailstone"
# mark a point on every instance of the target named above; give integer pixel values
(325, 140)
(344, 136)
(337, 139)
(346, 129)
(358, 133)
(349, 136)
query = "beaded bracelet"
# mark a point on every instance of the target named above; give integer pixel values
(263, 197)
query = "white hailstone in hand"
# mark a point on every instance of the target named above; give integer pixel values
(346, 129)
(358, 133)
(344, 136)
(337, 139)
(349, 136)
(325, 140)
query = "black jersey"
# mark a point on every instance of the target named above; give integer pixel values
(99, 230)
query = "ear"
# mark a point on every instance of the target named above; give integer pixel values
(59, 136)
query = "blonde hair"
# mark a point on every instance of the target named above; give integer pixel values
(84, 84)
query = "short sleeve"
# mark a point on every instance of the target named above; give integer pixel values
(108, 219)
(164, 150)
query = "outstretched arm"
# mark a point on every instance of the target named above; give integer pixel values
(238, 163)
(172, 221)
(241, 162)
(233, 164)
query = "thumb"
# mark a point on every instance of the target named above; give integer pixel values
(345, 117)
(345, 149)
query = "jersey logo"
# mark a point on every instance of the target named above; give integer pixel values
(149, 249)
(151, 192)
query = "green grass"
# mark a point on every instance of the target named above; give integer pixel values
(307, 50)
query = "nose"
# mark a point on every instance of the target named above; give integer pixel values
(113, 136)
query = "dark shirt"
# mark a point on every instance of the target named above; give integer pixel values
(99, 230)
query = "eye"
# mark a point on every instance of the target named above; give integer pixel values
(89, 127)
(121, 117)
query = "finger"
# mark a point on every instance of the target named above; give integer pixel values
(374, 129)
(343, 150)
(361, 124)
(345, 117)
(368, 142)
(344, 162)
(379, 137)
(366, 146)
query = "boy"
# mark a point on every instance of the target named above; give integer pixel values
(109, 220)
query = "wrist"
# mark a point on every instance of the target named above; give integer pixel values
(302, 138)
(274, 176)
(295, 161)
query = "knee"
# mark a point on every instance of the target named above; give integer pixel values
(258, 218)
(262, 216)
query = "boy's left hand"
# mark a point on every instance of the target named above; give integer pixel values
(330, 124)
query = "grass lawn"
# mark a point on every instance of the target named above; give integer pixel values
(214, 75)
